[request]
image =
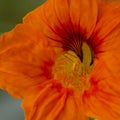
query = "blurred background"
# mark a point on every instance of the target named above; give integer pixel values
(11, 13)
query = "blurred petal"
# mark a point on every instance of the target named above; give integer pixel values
(52, 102)
(102, 99)
(60, 21)
(107, 28)
(25, 60)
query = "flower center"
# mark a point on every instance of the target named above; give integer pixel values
(73, 72)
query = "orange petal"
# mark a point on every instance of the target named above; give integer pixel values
(52, 102)
(108, 51)
(107, 28)
(84, 14)
(25, 60)
(61, 21)
(102, 100)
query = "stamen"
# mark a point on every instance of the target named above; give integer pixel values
(71, 71)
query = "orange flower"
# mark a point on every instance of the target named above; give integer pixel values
(64, 61)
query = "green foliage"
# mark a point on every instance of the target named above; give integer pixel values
(91, 118)
(12, 12)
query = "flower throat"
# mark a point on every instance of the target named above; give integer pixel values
(73, 70)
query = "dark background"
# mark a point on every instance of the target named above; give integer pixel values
(12, 12)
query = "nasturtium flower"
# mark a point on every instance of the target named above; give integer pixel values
(64, 61)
